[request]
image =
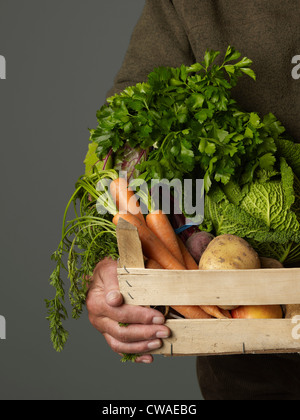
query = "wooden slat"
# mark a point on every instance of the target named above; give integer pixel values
(129, 244)
(236, 287)
(209, 337)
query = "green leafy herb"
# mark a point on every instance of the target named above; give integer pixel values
(127, 357)
(188, 120)
(86, 239)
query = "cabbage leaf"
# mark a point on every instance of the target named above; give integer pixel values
(265, 213)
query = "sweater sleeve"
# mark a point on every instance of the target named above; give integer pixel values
(158, 39)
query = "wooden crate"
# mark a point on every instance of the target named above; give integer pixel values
(234, 287)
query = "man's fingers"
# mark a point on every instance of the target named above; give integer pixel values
(97, 306)
(106, 308)
(132, 348)
(130, 314)
(144, 358)
(132, 332)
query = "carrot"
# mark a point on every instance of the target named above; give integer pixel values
(190, 263)
(215, 312)
(192, 312)
(154, 249)
(152, 246)
(125, 198)
(153, 265)
(226, 313)
(158, 222)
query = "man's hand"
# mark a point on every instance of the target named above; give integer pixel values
(106, 310)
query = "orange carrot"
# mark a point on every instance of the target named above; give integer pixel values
(192, 312)
(153, 265)
(153, 248)
(226, 313)
(158, 222)
(215, 311)
(190, 263)
(125, 198)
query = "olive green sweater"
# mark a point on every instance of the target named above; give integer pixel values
(171, 33)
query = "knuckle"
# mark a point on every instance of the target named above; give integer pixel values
(148, 316)
(122, 334)
(106, 263)
(115, 345)
(122, 318)
(90, 303)
(94, 304)
(147, 334)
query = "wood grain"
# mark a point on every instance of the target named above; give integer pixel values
(238, 336)
(197, 287)
(129, 244)
(226, 288)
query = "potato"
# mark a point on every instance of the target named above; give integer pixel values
(270, 263)
(197, 244)
(229, 252)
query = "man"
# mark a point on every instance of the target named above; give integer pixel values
(171, 33)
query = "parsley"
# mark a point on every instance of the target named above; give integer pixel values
(187, 120)
(128, 357)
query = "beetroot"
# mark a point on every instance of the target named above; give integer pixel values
(197, 244)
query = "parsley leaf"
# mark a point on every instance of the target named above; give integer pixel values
(187, 120)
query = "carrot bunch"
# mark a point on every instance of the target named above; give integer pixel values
(162, 248)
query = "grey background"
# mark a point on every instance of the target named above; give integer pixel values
(62, 57)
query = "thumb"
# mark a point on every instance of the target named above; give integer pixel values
(108, 270)
(114, 298)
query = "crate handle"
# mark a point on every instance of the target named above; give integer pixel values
(130, 247)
